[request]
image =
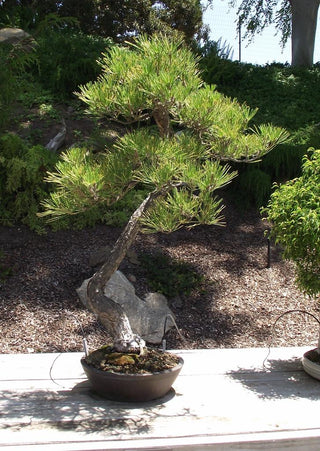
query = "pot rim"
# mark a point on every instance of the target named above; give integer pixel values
(132, 375)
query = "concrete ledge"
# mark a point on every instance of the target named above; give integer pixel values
(224, 399)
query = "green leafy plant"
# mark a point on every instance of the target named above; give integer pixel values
(33, 94)
(22, 186)
(294, 210)
(169, 277)
(48, 111)
(62, 71)
(77, 133)
(14, 61)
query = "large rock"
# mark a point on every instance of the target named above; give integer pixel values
(12, 35)
(99, 256)
(148, 317)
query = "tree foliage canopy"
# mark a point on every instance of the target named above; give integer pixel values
(255, 15)
(180, 161)
(118, 19)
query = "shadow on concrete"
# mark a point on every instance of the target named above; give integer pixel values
(280, 379)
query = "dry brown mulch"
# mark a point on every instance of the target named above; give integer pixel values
(237, 305)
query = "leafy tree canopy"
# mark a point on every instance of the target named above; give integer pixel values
(118, 19)
(255, 15)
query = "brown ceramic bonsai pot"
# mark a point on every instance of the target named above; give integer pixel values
(131, 387)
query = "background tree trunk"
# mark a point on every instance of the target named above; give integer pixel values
(304, 25)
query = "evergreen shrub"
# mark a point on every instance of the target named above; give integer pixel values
(22, 185)
(14, 60)
(68, 58)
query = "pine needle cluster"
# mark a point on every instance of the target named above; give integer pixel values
(187, 133)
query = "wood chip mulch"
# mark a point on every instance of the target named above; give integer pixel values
(236, 306)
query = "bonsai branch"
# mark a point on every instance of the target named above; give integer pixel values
(162, 119)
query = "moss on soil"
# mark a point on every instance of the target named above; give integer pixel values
(151, 361)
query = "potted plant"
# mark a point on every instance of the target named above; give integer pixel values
(181, 134)
(294, 211)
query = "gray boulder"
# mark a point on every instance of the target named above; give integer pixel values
(12, 35)
(148, 317)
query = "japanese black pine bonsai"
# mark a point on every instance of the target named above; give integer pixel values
(183, 133)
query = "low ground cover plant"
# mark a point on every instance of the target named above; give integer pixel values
(170, 277)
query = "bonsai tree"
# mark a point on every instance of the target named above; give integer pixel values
(294, 210)
(182, 135)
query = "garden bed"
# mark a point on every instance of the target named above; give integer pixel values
(234, 305)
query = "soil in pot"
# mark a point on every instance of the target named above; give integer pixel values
(107, 359)
(130, 376)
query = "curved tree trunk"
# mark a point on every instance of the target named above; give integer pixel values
(162, 118)
(109, 312)
(304, 25)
